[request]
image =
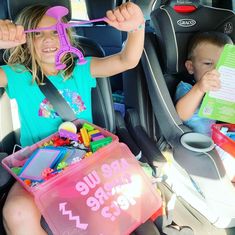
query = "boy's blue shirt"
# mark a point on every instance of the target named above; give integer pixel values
(37, 117)
(196, 123)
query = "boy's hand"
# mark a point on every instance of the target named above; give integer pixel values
(11, 35)
(126, 17)
(210, 81)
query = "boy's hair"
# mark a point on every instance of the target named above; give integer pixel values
(25, 54)
(216, 38)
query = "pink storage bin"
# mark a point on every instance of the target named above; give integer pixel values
(107, 193)
(223, 141)
(20, 157)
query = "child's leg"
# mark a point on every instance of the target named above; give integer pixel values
(20, 214)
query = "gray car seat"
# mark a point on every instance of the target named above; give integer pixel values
(197, 177)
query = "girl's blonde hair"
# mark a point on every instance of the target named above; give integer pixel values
(25, 54)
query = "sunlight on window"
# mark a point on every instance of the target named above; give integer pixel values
(79, 11)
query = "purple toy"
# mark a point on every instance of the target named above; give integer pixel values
(58, 12)
(68, 134)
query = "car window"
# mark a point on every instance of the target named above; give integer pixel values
(79, 11)
(233, 4)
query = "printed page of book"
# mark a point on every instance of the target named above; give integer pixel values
(220, 105)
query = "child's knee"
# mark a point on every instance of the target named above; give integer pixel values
(18, 210)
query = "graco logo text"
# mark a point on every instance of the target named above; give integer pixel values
(186, 22)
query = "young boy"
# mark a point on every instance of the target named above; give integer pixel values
(203, 53)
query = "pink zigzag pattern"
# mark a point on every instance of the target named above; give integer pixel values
(71, 217)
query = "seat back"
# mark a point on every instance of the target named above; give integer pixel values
(14, 7)
(113, 41)
(176, 27)
(165, 52)
(163, 59)
(102, 108)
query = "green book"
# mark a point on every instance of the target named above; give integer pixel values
(220, 105)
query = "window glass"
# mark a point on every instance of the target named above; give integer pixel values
(207, 2)
(79, 11)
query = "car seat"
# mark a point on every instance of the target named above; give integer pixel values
(197, 177)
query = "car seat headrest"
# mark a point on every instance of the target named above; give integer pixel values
(14, 7)
(182, 6)
(174, 29)
(3, 10)
(97, 9)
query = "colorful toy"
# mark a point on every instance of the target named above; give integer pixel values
(58, 12)
(67, 134)
(97, 136)
(16, 170)
(41, 159)
(73, 153)
(28, 182)
(85, 137)
(88, 127)
(50, 159)
(68, 126)
(61, 165)
(46, 173)
(90, 133)
(88, 154)
(75, 160)
(95, 145)
(57, 141)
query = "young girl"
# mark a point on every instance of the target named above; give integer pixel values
(35, 52)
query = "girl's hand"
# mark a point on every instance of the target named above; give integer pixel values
(210, 81)
(126, 17)
(11, 35)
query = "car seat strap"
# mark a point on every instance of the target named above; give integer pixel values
(57, 100)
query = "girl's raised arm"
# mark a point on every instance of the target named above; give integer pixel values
(127, 17)
(11, 35)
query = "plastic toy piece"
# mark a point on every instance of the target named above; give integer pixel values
(46, 172)
(97, 137)
(68, 126)
(95, 145)
(39, 160)
(68, 134)
(85, 137)
(75, 160)
(88, 154)
(90, 133)
(16, 170)
(57, 141)
(27, 182)
(61, 165)
(88, 126)
(58, 12)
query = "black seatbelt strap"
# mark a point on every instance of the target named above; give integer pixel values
(57, 100)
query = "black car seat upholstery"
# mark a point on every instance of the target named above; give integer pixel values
(113, 41)
(174, 22)
(165, 53)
